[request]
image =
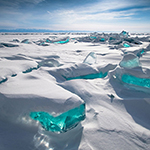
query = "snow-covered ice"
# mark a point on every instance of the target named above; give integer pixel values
(47, 79)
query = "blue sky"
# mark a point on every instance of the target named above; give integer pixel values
(89, 15)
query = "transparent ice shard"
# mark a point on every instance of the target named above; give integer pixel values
(130, 79)
(102, 39)
(16, 40)
(93, 37)
(91, 58)
(140, 53)
(89, 76)
(124, 34)
(111, 38)
(26, 41)
(130, 61)
(49, 63)
(126, 45)
(61, 123)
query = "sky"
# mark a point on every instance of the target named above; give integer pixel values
(77, 15)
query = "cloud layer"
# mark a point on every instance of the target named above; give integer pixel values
(100, 15)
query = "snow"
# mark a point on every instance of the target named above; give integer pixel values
(34, 73)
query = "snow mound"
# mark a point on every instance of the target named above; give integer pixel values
(81, 71)
(43, 99)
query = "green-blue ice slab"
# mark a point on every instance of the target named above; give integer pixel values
(61, 123)
(144, 82)
(62, 42)
(90, 76)
(102, 39)
(142, 51)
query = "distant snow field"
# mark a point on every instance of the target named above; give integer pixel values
(74, 91)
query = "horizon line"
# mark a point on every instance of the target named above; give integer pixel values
(49, 30)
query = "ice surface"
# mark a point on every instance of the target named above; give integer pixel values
(117, 106)
(91, 58)
(61, 123)
(130, 61)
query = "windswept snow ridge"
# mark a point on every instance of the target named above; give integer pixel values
(75, 91)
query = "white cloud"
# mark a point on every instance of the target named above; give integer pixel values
(105, 15)
(103, 11)
(74, 16)
(8, 24)
(33, 1)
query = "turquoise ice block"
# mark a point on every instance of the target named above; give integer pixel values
(62, 122)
